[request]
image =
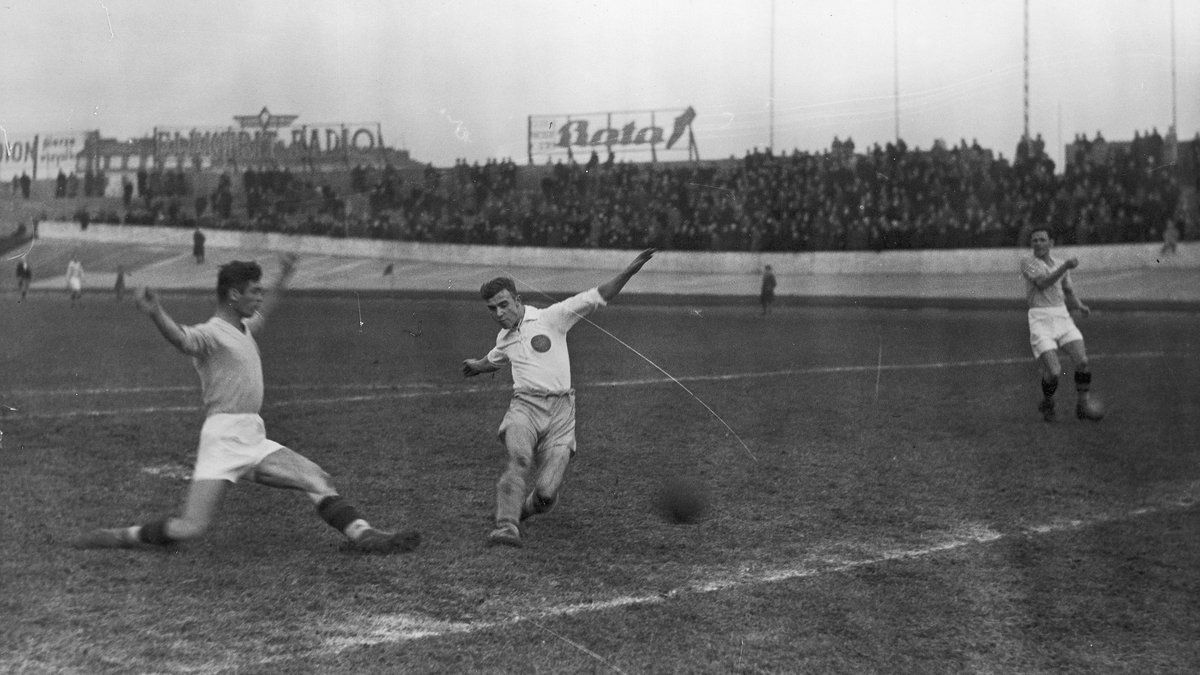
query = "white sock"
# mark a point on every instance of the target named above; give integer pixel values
(354, 530)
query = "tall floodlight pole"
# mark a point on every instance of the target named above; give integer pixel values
(1025, 134)
(896, 65)
(1062, 159)
(771, 102)
(1174, 128)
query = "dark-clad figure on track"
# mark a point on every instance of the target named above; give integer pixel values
(24, 277)
(539, 428)
(119, 286)
(198, 245)
(766, 295)
(233, 439)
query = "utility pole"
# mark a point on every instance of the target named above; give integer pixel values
(1174, 119)
(1025, 134)
(896, 65)
(771, 102)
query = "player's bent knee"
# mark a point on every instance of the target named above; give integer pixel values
(542, 502)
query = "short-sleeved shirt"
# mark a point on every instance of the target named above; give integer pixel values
(537, 347)
(1033, 268)
(230, 368)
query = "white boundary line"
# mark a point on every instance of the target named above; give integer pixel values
(415, 390)
(192, 387)
(396, 628)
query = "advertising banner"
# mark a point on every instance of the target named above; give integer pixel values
(59, 152)
(17, 156)
(39, 156)
(637, 135)
(249, 145)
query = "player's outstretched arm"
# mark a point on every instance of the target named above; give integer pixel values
(612, 287)
(148, 304)
(287, 267)
(473, 367)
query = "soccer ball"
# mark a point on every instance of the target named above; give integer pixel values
(1091, 409)
(682, 501)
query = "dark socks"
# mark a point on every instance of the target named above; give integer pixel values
(337, 512)
(155, 532)
(1049, 387)
(1083, 382)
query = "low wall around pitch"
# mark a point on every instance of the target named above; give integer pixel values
(955, 261)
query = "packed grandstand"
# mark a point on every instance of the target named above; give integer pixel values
(843, 198)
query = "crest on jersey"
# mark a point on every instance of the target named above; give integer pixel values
(540, 343)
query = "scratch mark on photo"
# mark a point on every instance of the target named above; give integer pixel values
(460, 130)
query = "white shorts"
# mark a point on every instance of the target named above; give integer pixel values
(231, 445)
(75, 284)
(542, 420)
(1050, 328)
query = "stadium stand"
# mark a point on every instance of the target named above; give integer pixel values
(883, 198)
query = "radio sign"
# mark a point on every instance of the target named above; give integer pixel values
(332, 138)
(251, 144)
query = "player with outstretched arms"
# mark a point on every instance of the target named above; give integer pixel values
(538, 430)
(1051, 298)
(233, 440)
(74, 279)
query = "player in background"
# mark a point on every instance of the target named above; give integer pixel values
(766, 295)
(538, 430)
(198, 245)
(75, 278)
(119, 285)
(24, 277)
(1051, 298)
(233, 441)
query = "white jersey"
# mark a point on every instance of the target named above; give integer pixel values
(1033, 268)
(230, 368)
(537, 347)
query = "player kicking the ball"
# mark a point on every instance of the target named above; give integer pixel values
(539, 428)
(1050, 293)
(233, 441)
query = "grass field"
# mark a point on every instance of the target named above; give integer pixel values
(897, 506)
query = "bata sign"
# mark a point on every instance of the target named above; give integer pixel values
(666, 133)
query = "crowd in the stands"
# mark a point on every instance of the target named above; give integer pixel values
(845, 198)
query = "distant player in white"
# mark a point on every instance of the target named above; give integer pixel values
(75, 279)
(233, 440)
(539, 428)
(1051, 297)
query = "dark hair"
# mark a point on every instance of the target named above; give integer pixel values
(496, 285)
(1041, 228)
(236, 275)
